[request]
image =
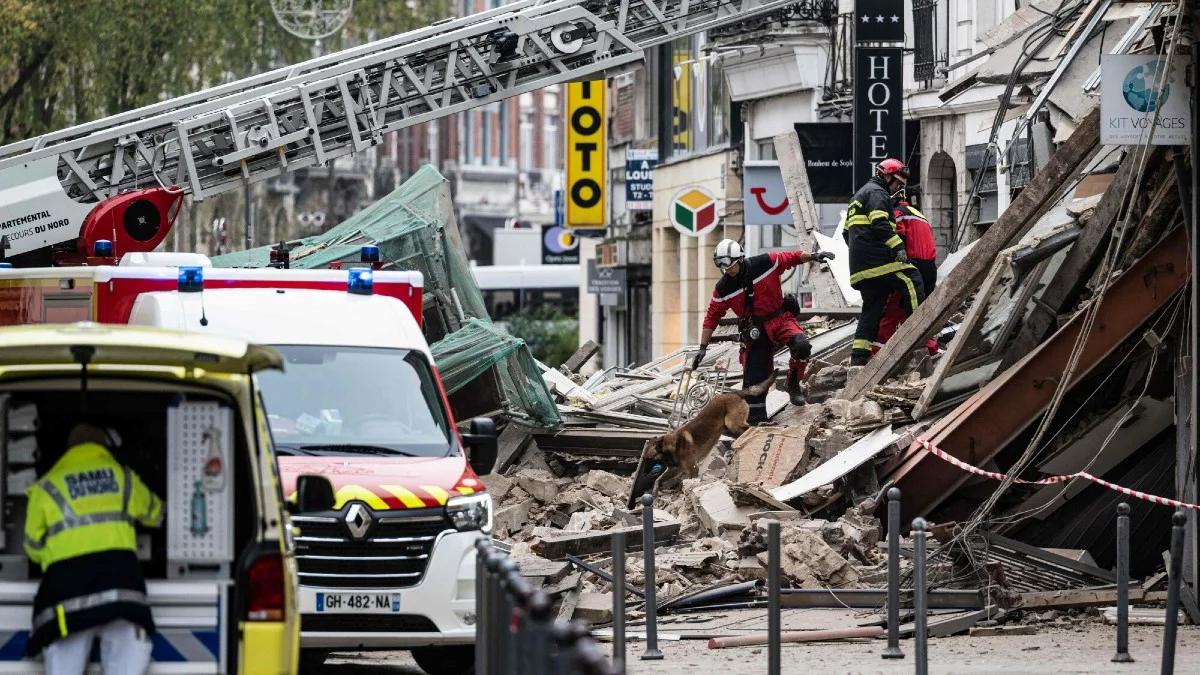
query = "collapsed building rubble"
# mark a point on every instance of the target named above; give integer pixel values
(1059, 332)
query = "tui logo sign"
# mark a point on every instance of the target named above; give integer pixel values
(694, 211)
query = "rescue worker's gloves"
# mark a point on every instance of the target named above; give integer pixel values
(901, 255)
(823, 256)
(699, 357)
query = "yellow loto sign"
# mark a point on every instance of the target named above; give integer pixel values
(586, 155)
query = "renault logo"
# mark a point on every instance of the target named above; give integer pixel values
(358, 520)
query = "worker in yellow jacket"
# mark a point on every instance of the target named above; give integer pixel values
(80, 528)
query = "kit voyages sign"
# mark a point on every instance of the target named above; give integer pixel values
(878, 108)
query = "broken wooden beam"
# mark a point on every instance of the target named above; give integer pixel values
(974, 315)
(946, 299)
(1076, 598)
(826, 292)
(583, 543)
(586, 351)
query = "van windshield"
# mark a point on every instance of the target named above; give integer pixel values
(355, 401)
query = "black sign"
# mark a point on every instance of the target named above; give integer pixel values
(830, 159)
(606, 280)
(639, 179)
(878, 108)
(879, 20)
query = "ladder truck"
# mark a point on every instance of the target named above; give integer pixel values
(123, 178)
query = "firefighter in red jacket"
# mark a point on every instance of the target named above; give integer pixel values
(751, 288)
(916, 231)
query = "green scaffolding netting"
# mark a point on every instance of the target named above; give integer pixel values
(414, 228)
(479, 345)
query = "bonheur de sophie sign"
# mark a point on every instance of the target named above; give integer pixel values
(1140, 93)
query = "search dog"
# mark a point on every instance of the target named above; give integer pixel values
(681, 450)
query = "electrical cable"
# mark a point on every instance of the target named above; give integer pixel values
(981, 515)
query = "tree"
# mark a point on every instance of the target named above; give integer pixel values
(552, 336)
(70, 61)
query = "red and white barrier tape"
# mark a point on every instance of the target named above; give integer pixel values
(1050, 480)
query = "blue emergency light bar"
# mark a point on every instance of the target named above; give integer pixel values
(5, 266)
(103, 248)
(370, 254)
(191, 279)
(361, 281)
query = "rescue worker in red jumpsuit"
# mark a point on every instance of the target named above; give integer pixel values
(879, 263)
(751, 288)
(916, 231)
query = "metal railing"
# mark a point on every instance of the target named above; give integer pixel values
(515, 631)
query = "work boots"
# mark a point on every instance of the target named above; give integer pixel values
(795, 389)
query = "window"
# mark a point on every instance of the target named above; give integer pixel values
(550, 149)
(700, 105)
(527, 141)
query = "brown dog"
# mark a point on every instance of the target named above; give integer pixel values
(682, 449)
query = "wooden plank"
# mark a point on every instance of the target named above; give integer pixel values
(1077, 598)
(584, 543)
(586, 351)
(826, 292)
(1024, 211)
(1069, 281)
(512, 444)
(975, 315)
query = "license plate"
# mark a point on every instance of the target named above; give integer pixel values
(345, 603)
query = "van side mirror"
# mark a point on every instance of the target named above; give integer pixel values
(313, 494)
(481, 441)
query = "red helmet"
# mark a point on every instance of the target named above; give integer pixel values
(892, 167)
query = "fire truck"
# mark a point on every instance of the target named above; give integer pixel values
(82, 210)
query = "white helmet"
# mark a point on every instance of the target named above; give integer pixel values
(727, 254)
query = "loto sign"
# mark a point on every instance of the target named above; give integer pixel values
(586, 154)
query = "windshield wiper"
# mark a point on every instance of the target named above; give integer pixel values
(290, 450)
(355, 448)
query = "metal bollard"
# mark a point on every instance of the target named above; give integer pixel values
(1175, 572)
(482, 545)
(508, 637)
(522, 595)
(920, 600)
(539, 624)
(560, 658)
(893, 594)
(496, 615)
(1122, 655)
(618, 589)
(773, 619)
(652, 652)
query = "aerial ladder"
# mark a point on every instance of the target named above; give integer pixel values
(124, 177)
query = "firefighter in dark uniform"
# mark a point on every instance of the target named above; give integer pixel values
(751, 287)
(879, 263)
(80, 528)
